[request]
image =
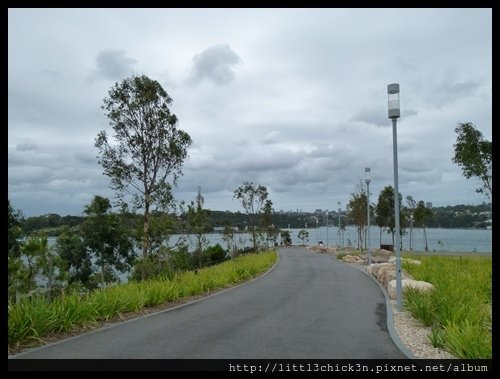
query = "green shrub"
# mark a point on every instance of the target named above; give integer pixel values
(31, 319)
(460, 304)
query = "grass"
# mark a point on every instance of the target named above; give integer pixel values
(32, 319)
(460, 306)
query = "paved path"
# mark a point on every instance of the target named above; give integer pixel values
(309, 306)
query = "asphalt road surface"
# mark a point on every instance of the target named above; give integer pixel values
(309, 307)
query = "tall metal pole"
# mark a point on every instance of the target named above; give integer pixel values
(399, 292)
(327, 230)
(317, 232)
(340, 241)
(368, 221)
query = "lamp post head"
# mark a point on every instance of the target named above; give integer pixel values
(367, 175)
(393, 100)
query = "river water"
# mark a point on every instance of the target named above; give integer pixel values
(451, 240)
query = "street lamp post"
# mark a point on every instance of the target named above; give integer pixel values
(367, 180)
(317, 232)
(340, 242)
(327, 229)
(394, 114)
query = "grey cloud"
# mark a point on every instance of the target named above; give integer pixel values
(215, 63)
(27, 146)
(450, 87)
(272, 138)
(112, 64)
(408, 113)
(375, 117)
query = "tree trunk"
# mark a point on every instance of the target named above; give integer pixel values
(425, 239)
(103, 284)
(145, 235)
(411, 235)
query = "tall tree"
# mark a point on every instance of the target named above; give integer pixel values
(385, 213)
(15, 231)
(357, 205)
(474, 154)
(422, 215)
(199, 224)
(76, 263)
(252, 198)
(412, 204)
(267, 226)
(33, 251)
(107, 239)
(303, 236)
(149, 146)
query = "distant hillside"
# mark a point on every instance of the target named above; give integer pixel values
(457, 216)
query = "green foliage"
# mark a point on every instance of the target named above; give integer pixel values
(214, 254)
(253, 198)
(437, 337)
(199, 224)
(460, 303)
(384, 211)
(473, 154)
(341, 255)
(105, 236)
(285, 237)
(149, 146)
(76, 263)
(468, 340)
(357, 205)
(303, 235)
(422, 215)
(31, 320)
(14, 231)
(421, 305)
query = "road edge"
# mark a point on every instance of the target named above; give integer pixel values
(390, 315)
(118, 323)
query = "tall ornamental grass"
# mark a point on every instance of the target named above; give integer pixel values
(459, 309)
(32, 319)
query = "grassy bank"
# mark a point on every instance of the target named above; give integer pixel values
(459, 310)
(31, 320)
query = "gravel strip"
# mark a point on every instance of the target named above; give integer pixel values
(415, 336)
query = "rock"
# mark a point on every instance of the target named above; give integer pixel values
(376, 267)
(386, 274)
(368, 269)
(408, 283)
(412, 261)
(383, 252)
(349, 259)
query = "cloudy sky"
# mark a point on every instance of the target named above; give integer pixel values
(293, 99)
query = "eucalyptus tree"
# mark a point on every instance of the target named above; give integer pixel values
(75, 260)
(145, 160)
(267, 227)
(357, 205)
(412, 204)
(303, 236)
(15, 231)
(253, 199)
(199, 224)
(422, 215)
(107, 239)
(384, 213)
(473, 153)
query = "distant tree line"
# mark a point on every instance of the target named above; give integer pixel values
(454, 216)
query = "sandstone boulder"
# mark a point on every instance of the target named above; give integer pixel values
(413, 261)
(408, 283)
